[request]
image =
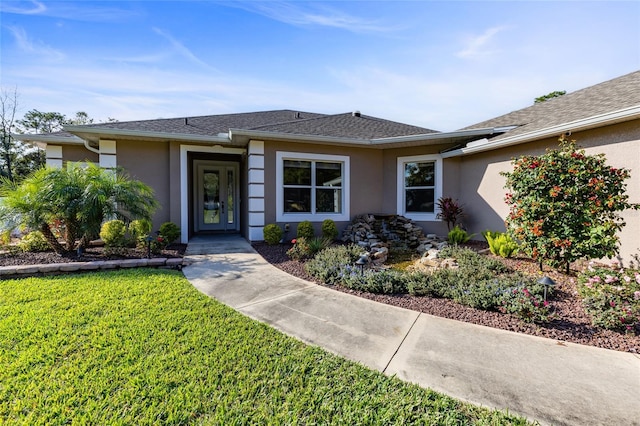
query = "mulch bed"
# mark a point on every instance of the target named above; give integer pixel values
(572, 324)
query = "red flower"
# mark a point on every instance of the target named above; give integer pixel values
(293, 241)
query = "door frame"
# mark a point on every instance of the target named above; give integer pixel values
(186, 182)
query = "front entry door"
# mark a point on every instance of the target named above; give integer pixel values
(215, 196)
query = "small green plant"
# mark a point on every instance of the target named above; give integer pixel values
(318, 244)
(526, 304)
(450, 211)
(300, 249)
(334, 263)
(381, 282)
(113, 232)
(272, 234)
(501, 244)
(34, 242)
(139, 229)
(305, 230)
(170, 232)
(329, 229)
(611, 296)
(458, 236)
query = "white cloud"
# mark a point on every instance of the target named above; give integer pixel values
(479, 45)
(181, 49)
(34, 47)
(20, 8)
(86, 11)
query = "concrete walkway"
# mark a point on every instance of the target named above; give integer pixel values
(542, 379)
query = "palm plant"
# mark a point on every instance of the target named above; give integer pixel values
(80, 198)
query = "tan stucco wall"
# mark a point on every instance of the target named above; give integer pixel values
(366, 194)
(78, 153)
(149, 163)
(482, 187)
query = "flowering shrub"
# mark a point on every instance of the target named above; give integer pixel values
(611, 296)
(525, 303)
(564, 205)
(300, 249)
(450, 211)
(333, 264)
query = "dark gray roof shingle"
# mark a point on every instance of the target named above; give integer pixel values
(613, 95)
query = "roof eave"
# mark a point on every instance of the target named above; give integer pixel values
(243, 136)
(600, 120)
(95, 134)
(46, 138)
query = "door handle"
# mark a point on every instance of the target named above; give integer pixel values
(222, 206)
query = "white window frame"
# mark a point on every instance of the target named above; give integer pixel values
(437, 193)
(282, 216)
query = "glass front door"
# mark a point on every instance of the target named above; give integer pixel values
(215, 196)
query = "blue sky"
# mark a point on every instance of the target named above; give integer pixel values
(441, 65)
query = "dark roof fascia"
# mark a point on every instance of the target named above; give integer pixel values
(94, 134)
(600, 120)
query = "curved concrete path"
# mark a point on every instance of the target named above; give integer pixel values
(542, 379)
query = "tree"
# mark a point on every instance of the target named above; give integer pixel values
(555, 94)
(78, 198)
(9, 150)
(80, 119)
(564, 205)
(35, 121)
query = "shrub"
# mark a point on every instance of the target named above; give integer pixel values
(381, 282)
(334, 263)
(113, 233)
(170, 232)
(525, 303)
(611, 297)
(450, 211)
(34, 242)
(272, 234)
(564, 205)
(458, 236)
(305, 230)
(139, 229)
(500, 243)
(300, 249)
(329, 229)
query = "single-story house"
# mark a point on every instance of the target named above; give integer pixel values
(239, 172)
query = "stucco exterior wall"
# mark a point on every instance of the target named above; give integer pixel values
(366, 178)
(78, 153)
(482, 188)
(149, 163)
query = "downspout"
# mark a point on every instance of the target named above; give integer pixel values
(90, 148)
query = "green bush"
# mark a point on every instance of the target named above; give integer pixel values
(329, 229)
(611, 297)
(170, 232)
(334, 263)
(300, 249)
(34, 242)
(470, 260)
(565, 205)
(113, 233)
(140, 228)
(272, 234)
(527, 303)
(501, 244)
(305, 230)
(458, 236)
(381, 282)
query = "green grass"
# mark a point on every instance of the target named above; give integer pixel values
(145, 347)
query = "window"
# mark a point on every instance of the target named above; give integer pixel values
(419, 186)
(311, 187)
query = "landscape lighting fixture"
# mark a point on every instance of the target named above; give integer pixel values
(361, 262)
(546, 282)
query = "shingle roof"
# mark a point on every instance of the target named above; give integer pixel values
(285, 121)
(613, 95)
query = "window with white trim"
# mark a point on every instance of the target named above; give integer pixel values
(311, 186)
(419, 186)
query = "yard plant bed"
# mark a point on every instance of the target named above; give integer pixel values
(571, 324)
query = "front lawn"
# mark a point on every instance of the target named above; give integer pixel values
(145, 347)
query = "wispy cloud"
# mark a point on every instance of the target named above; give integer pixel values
(23, 8)
(34, 47)
(313, 14)
(181, 49)
(84, 11)
(479, 45)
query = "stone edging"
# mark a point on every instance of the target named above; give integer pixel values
(22, 271)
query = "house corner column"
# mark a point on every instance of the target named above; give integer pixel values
(53, 155)
(255, 154)
(108, 159)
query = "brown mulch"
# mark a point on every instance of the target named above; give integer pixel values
(571, 324)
